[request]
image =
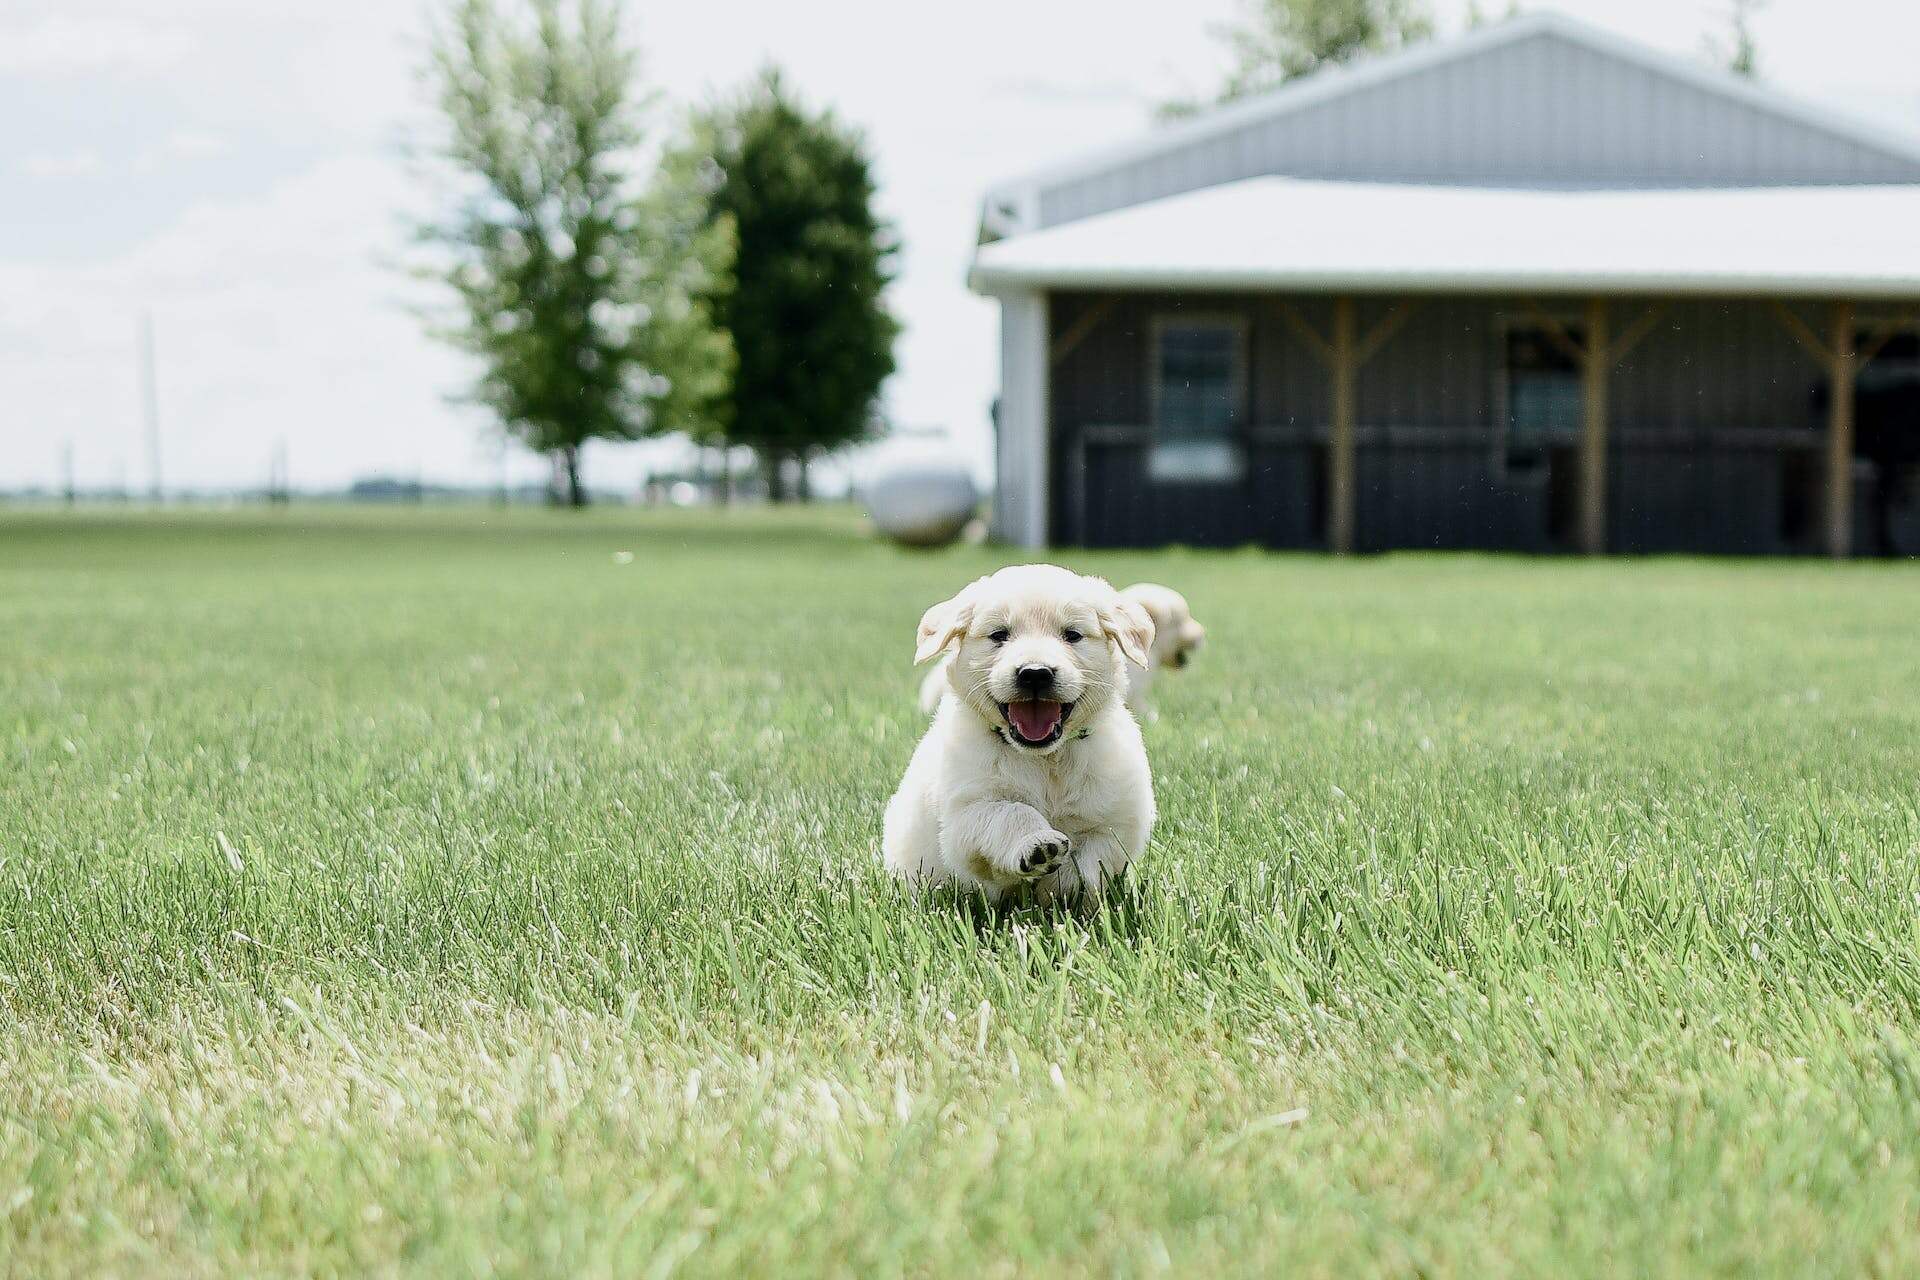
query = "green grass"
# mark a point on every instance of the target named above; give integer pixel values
(432, 893)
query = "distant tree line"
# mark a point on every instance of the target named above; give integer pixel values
(726, 283)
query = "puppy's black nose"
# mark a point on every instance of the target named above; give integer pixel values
(1033, 678)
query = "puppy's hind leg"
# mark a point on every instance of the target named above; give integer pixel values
(1097, 860)
(910, 841)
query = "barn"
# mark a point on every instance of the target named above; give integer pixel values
(1538, 288)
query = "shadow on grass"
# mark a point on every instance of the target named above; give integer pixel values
(1115, 917)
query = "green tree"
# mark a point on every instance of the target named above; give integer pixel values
(803, 299)
(1478, 17)
(580, 292)
(1280, 40)
(1738, 49)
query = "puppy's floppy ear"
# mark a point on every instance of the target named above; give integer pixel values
(1154, 608)
(1130, 626)
(943, 624)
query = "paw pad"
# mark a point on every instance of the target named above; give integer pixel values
(1044, 858)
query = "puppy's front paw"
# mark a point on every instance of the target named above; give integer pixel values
(1045, 855)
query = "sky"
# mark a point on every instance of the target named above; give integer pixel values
(235, 169)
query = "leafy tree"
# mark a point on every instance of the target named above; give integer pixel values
(1478, 17)
(1739, 50)
(579, 292)
(803, 298)
(1280, 40)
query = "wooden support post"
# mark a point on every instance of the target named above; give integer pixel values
(1840, 433)
(1597, 352)
(1841, 356)
(1340, 457)
(1343, 354)
(1595, 366)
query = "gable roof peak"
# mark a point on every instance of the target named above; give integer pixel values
(1011, 207)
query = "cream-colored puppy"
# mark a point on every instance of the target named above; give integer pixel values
(1033, 771)
(1176, 638)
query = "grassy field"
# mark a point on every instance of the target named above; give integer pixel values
(437, 892)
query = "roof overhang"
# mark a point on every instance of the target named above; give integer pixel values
(1283, 234)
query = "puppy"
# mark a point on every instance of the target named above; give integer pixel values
(1032, 772)
(1176, 638)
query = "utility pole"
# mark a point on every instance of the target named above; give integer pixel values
(151, 399)
(66, 472)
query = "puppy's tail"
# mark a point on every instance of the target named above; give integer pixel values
(934, 687)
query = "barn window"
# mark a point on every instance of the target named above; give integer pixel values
(1199, 381)
(1543, 394)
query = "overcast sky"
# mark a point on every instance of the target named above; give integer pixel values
(233, 165)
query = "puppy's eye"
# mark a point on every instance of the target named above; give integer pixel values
(1071, 636)
(1000, 636)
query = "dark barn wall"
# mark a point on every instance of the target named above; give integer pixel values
(1715, 433)
(1101, 493)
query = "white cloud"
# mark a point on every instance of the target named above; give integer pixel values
(83, 163)
(60, 44)
(190, 142)
(179, 145)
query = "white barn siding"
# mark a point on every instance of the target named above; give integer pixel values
(1020, 491)
(1543, 110)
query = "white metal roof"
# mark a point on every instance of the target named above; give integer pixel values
(1017, 196)
(1285, 233)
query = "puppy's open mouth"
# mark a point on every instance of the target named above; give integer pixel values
(1038, 723)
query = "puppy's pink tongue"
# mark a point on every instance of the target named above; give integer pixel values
(1034, 721)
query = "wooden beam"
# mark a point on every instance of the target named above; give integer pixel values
(1303, 329)
(1803, 334)
(1595, 367)
(1632, 335)
(1384, 329)
(1882, 332)
(1342, 353)
(1556, 332)
(1081, 328)
(1840, 433)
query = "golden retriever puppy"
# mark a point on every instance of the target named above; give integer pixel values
(1032, 772)
(1176, 638)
